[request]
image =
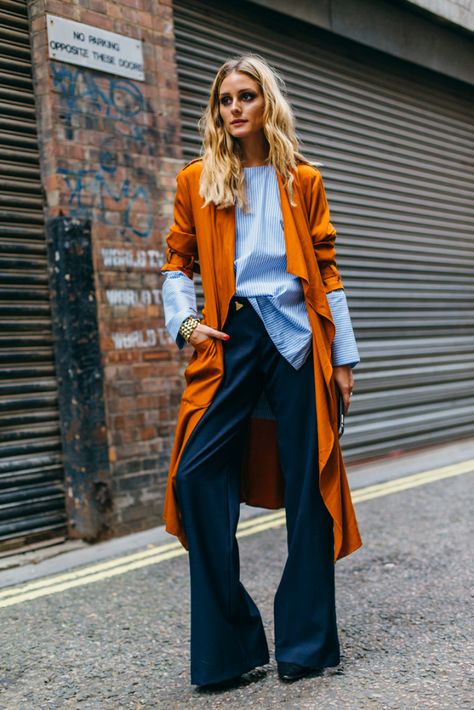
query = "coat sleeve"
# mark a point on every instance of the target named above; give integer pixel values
(182, 253)
(323, 234)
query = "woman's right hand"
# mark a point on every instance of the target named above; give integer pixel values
(202, 332)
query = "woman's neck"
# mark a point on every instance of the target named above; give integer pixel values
(254, 151)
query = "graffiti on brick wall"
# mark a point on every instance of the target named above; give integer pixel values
(148, 338)
(132, 260)
(133, 296)
(115, 107)
(139, 259)
(121, 104)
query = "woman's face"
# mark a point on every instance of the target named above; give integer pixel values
(241, 105)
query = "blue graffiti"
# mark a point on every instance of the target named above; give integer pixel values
(121, 104)
(89, 189)
(118, 107)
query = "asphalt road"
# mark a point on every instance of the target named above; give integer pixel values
(404, 610)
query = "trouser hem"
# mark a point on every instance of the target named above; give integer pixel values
(197, 679)
(327, 662)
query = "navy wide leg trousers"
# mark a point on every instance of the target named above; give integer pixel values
(227, 635)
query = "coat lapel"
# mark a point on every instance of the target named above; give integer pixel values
(296, 263)
(224, 255)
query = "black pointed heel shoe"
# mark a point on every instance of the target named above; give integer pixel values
(292, 671)
(221, 684)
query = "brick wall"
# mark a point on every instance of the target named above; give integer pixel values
(109, 151)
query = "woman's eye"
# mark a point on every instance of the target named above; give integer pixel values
(247, 96)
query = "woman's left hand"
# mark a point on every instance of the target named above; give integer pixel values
(345, 381)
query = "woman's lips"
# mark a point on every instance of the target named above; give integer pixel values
(237, 123)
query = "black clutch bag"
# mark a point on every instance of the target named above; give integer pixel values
(340, 413)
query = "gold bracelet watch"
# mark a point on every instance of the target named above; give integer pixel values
(187, 327)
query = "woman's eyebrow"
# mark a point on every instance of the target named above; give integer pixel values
(240, 91)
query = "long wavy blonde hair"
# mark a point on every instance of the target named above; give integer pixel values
(222, 177)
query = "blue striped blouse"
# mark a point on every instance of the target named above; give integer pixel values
(261, 276)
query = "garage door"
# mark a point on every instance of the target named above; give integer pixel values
(32, 504)
(397, 147)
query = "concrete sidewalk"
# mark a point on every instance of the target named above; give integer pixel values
(55, 559)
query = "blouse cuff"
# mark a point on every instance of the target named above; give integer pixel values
(179, 302)
(344, 346)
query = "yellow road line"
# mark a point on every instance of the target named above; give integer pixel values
(262, 518)
(100, 567)
(156, 554)
(91, 577)
(246, 527)
(276, 522)
(406, 482)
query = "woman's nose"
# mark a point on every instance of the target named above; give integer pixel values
(235, 107)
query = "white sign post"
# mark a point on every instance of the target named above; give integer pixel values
(88, 46)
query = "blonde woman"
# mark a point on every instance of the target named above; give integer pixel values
(258, 420)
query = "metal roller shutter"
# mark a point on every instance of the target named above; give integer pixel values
(397, 149)
(32, 503)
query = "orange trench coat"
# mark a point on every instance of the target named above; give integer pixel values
(203, 239)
